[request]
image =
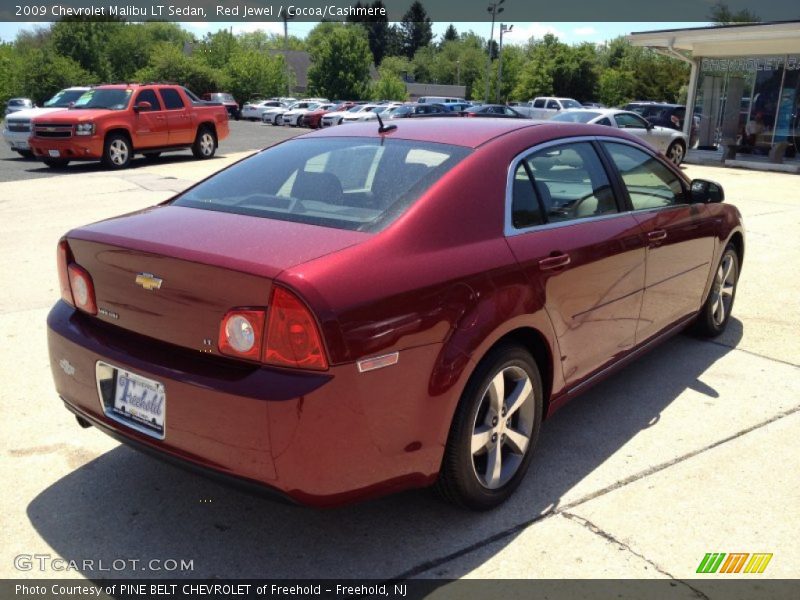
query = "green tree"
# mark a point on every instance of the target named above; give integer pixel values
(720, 14)
(86, 41)
(217, 48)
(399, 66)
(389, 87)
(168, 63)
(40, 74)
(254, 73)
(377, 27)
(340, 64)
(416, 28)
(450, 34)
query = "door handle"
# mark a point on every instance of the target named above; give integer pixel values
(657, 235)
(161, 118)
(554, 262)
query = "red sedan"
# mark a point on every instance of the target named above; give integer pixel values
(361, 310)
(313, 119)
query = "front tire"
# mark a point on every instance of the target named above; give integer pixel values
(25, 153)
(494, 430)
(676, 152)
(716, 312)
(117, 152)
(205, 144)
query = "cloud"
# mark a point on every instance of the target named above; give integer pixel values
(200, 28)
(521, 35)
(584, 31)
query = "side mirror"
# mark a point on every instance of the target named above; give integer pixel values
(704, 191)
(143, 106)
(649, 126)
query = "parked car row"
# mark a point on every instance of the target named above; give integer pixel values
(112, 123)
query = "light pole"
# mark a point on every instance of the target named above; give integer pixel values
(503, 29)
(286, 18)
(495, 9)
(458, 72)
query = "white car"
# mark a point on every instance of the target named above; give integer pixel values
(274, 115)
(385, 110)
(335, 118)
(360, 114)
(670, 142)
(17, 126)
(253, 110)
(294, 117)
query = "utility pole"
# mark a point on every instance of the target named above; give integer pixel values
(286, 18)
(503, 29)
(495, 9)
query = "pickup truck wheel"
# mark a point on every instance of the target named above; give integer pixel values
(56, 163)
(117, 151)
(205, 144)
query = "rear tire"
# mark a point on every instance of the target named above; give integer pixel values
(56, 163)
(716, 312)
(205, 144)
(676, 152)
(117, 152)
(494, 430)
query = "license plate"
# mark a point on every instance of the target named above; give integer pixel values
(139, 401)
(54, 153)
(20, 145)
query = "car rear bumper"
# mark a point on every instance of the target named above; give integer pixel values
(74, 148)
(317, 438)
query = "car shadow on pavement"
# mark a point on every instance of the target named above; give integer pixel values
(82, 168)
(124, 505)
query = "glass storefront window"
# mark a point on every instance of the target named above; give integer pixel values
(750, 102)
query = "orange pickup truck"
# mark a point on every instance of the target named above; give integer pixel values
(111, 123)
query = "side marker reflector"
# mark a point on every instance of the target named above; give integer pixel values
(378, 362)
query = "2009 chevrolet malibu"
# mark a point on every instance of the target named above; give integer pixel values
(363, 310)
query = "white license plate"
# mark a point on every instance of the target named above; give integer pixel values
(20, 145)
(54, 153)
(140, 401)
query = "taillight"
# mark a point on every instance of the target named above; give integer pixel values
(75, 282)
(64, 258)
(293, 338)
(82, 289)
(241, 333)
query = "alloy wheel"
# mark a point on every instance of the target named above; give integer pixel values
(503, 427)
(207, 144)
(724, 287)
(118, 152)
(676, 153)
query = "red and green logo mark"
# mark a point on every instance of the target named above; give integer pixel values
(741, 562)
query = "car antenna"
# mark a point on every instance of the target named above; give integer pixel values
(384, 128)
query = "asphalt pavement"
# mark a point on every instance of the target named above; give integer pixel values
(245, 136)
(692, 449)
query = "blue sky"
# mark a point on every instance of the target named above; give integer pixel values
(571, 32)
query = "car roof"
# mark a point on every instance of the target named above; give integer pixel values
(470, 133)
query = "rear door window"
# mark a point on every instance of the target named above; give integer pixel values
(172, 99)
(571, 182)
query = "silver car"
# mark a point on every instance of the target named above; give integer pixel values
(669, 141)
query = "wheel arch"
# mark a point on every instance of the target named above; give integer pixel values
(208, 125)
(119, 130)
(737, 239)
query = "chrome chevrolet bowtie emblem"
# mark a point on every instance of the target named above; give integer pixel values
(148, 281)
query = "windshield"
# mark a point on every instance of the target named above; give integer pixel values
(112, 99)
(570, 104)
(355, 109)
(361, 184)
(582, 116)
(64, 98)
(18, 102)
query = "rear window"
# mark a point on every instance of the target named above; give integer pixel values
(361, 184)
(576, 116)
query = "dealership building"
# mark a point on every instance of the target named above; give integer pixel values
(744, 91)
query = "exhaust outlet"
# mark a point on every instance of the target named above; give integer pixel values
(83, 422)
